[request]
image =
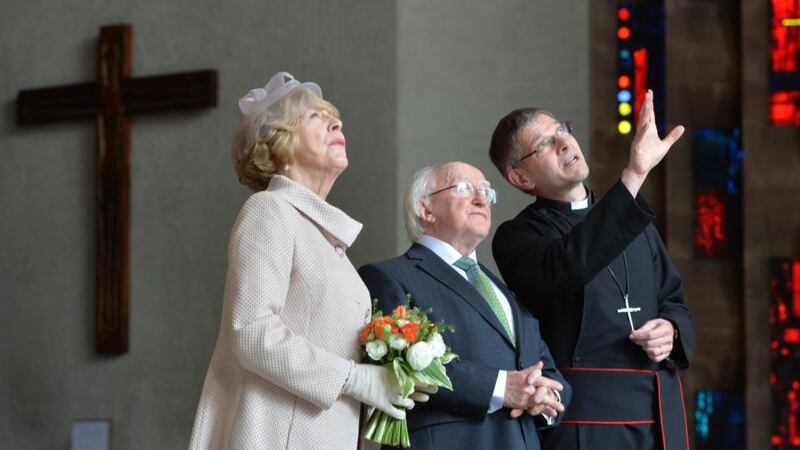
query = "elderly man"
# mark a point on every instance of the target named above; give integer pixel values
(597, 275)
(502, 357)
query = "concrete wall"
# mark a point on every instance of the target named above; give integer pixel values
(464, 65)
(703, 91)
(417, 82)
(184, 198)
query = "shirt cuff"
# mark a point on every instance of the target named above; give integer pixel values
(499, 393)
(548, 418)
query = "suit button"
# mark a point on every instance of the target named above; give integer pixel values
(576, 360)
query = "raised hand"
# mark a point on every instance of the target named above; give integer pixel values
(647, 149)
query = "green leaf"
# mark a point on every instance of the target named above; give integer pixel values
(435, 374)
(448, 357)
(406, 366)
(424, 331)
(406, 381)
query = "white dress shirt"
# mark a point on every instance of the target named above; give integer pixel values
(450, 255)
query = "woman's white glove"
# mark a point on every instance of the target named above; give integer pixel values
(377, 386)
(422, 391)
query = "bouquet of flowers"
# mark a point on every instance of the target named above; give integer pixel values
(411, 347)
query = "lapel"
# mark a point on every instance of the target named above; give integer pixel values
(428, 262)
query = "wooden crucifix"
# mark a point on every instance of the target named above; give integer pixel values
(111, 101)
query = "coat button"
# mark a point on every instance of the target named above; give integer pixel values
(576, 360)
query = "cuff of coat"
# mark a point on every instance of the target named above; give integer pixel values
(633, 214)
(678, 358)
(473, 389)
(551, 420)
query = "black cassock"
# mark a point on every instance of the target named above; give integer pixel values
(556, 260)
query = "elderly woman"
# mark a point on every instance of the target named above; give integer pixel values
(284, 371)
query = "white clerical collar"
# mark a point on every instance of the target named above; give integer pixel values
(580, 204)
(443, 250)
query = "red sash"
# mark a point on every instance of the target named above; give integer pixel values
(616, 396)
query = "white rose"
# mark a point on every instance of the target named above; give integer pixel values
(397, 342)
(437, 345)
(420, 355)
(401, 323)
(376, 350)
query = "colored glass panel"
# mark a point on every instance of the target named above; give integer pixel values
(784, 58)
(641, 58)
(784, 321)
(719, 420)
(717, 165)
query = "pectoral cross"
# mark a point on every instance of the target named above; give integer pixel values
(627, 309)
(111, 100)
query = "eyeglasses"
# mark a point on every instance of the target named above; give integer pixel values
(548, 142)
(466, 189)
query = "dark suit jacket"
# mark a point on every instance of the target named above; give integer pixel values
(459, 419)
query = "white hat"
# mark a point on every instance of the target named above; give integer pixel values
(260, 99)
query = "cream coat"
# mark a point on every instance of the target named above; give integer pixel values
(288, 339)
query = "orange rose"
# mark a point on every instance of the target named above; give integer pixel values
(379, 331)
(379, 326)
(400, 312)
(365, 333)
(411, 332)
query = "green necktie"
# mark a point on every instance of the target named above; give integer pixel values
(484, 286)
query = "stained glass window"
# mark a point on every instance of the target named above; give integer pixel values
(640, 60)
(784, 76)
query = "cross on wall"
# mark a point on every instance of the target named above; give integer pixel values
(111, 101)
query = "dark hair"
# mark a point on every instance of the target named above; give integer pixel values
(503, 149)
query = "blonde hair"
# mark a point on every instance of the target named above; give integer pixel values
(266, 140)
